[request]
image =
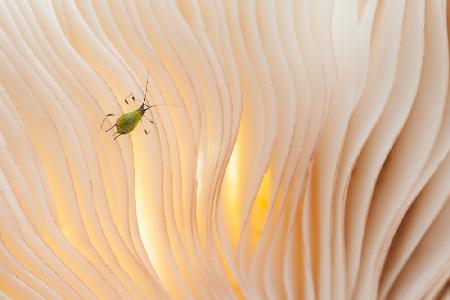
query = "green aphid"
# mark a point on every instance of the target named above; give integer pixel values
(128, 121)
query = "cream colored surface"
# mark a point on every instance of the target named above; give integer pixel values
(309, 158)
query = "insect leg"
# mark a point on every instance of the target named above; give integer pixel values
(145, 129)
(153, 122)
(117, 136)
(111, 128)
(104, 119)
(132, 97)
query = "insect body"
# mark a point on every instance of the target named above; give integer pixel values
(128, 121)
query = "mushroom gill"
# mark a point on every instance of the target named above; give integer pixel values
(307, 156)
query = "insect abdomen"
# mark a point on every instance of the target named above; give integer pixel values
(128, 121)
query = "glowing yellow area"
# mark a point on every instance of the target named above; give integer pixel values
(231, 278)
(232, 203)
(259, 210)
(233, 208)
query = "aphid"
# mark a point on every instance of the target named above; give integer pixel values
(127, 122)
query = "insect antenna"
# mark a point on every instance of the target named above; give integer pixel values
(153, 105)
(146, 85)
(145, 101)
